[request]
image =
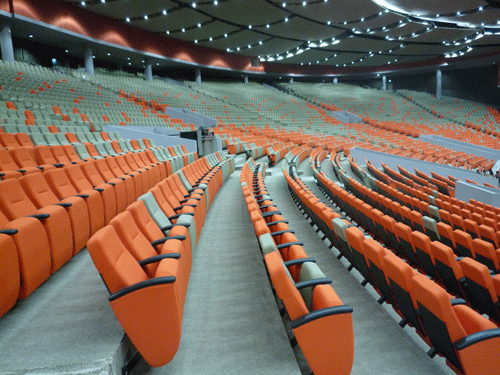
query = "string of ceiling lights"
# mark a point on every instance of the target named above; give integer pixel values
(428, 25)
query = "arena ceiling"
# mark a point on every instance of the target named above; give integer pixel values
(337, 33)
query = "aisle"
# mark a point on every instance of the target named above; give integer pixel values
(381, 346)
(231, 322)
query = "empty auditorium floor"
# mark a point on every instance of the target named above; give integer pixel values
(231, 322)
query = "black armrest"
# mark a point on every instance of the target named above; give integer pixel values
(100, 190)
(40, 216)
(58, 165)
(2, 174)
(9, 232)
(318, 314)
(21, 170)
(295, 262)
(142, 285)
(111, 183)
(475, 338)
(457, 301)
(270, 213)
(157, 258)
(64, 204)
(190, 191)
(313, 282)
(287, 244)
(122, 178)
(176, 216)
(263, 200)
(269, 205)
(186, 200)
(259, 195)
(168, 227)
(41, 168)
(276, 222)
(282, 232)
(84, 196)
(186, 205)
(165, 239)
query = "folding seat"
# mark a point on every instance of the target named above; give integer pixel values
(448, 268)
(81, 137)
(488, 234)
(50, 139)
(374, 254)
(156, 171)
(486, 254)
(403, 233)
(23, 139)
(445, 217)
(472, 228)
(123, 197)
(148, 175)
(171, 206)
(480, 290)
(37, 138)
(416, 218)
(141, 180)
(181, 193)
(141, 248)
(463, 241)
(36, 188)
(457, 222)
(327, 340)
(125, 146)
(10, 279)
(23, 157)
(94, 152)
(422, 247)
(434, 213)
(9, 167)
(399, 274)
(153, 232)
(7, 140)
(33, 257)
(63, 188)
(71, 137)
(117, 172)
(166, 163)
(61, 139)
(86, 177)
(446, 235)
(15, 204)
(104, 136)
(164, 222)
(45, 157)
(355, 238)
(456, 331)
(148, 308)
(71, 154)
(82, 152)
(491, 223)
(135, 144)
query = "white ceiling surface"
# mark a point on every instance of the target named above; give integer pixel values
(359, 27)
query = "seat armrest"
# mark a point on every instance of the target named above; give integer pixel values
(287, 244)
(313, 282)
(40, 216)
(295, 262)
(141, 285)
(64, 204)
(100, 190)
(159, 257)
(165, 239)
(281, 232)
(178, 215)
(271, 223)
(9, 232)
(475, 338)
(168, 227)
(270, 213)
(318, 314)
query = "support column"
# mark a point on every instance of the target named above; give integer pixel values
(89, 60)
(6, 44)
(384, 83)
(245, 79)
(198, 76)
(148, 71)
(335, 81)
(291, 80)
(439, 84)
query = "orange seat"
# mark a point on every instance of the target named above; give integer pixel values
(15, 204)
(148, 308)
